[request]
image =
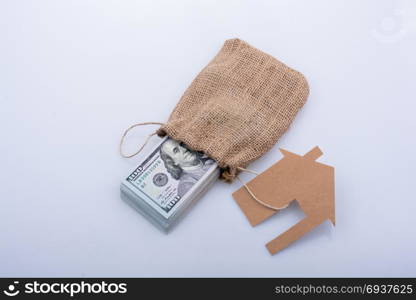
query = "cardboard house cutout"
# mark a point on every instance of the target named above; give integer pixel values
(294, 177)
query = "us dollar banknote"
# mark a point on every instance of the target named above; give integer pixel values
(167, 180)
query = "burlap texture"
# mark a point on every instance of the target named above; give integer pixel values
(237, 107)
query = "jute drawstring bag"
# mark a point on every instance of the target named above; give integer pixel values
(237, 107)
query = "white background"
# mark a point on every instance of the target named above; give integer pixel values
(75, 74)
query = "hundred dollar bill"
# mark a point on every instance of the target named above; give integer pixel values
(168, 179)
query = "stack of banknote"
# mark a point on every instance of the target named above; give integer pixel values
(167, 181)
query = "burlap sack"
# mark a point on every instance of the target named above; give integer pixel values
(237, 107)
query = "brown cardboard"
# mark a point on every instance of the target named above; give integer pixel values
(294, 177)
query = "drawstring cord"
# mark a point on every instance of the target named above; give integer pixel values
(143, 145)
(152, 134)
(252, 194)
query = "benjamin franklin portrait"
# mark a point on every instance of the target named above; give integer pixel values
(183, 164)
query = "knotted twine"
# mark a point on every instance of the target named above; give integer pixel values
(154, 133)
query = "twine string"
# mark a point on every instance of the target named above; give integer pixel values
(248, 171)
(143, 145)
(251, 192)
(152, 134)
